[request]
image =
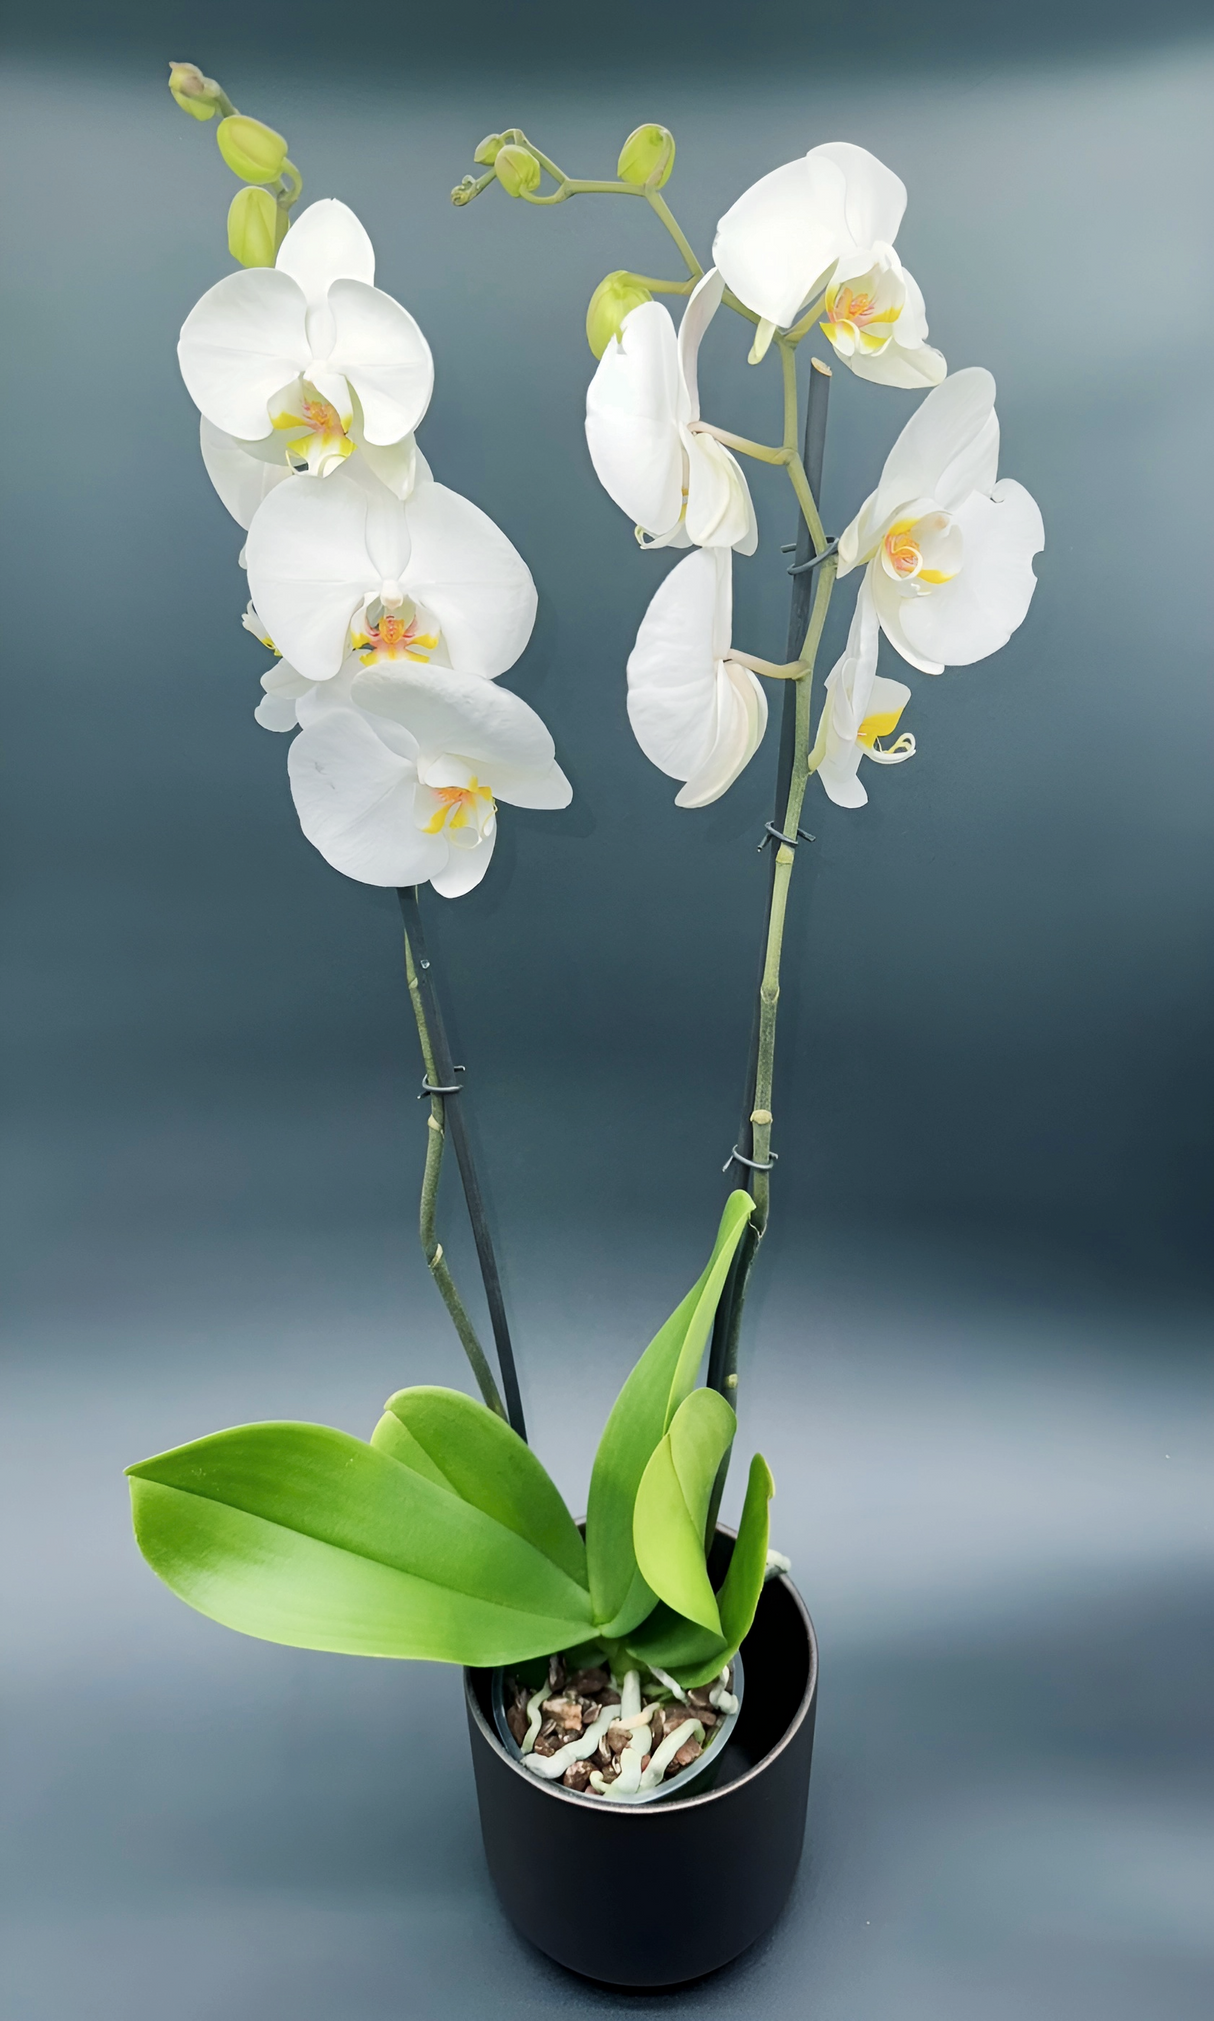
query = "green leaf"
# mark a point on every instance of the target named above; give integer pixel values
(661, 1380)
(303, 1535)
(462, 1445)
(694, 1655)
(671, 1509)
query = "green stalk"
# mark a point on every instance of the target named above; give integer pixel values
(811, 588)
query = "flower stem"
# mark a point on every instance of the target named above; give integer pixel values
(811, 594)
(440, 1072)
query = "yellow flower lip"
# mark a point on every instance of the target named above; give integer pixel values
(396, 636)
(469, 806)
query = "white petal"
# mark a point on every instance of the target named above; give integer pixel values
(465, 868)
(916, 368)
(973, 468)
(720, 512)
(465, 571)
(780, 240)
(973, 615)
(945, 442)
(694, 716)
(354, 798)
(850, 681)
(702, 306)
(326, 243)
(840, 766)
(891, 604)
(740, 721)
(875, 197)
(309, 568)
(399, 465)
(632, 407)
(240, 345)
(276, 712)
(241, 478)
(384, 356)
(459, 715)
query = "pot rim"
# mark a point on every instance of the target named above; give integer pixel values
(557, 1794)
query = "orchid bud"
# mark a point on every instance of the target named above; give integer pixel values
(517, 169)
(647, 156)
(254, 233)
(489, 149)
(252, 150)
(611, 301)
(194, 93)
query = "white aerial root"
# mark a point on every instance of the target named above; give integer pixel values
(552, 1766)
(676, 1690)
(535, 1719)
(665, 1754)
(721, 1698)
(628, 1780)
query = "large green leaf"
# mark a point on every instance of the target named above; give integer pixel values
(304, 1535)
(661, 1380)
(671, 1508)
(461, 1444)
(693, 1654)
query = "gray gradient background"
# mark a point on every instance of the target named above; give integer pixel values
(978, 1354)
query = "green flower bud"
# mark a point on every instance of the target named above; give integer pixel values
(517, 169)
(609, 304)
(647, 156)
(194, 93)
(489, 149)
(252, 151)
(255, 228)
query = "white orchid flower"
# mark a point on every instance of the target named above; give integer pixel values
(320, 554)
(295, 346)
(831, 217)
(949, 551)
(697, 715)
(678, 487)
(859, 707)
(397, 772)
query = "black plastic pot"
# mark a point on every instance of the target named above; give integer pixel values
(658, 1894)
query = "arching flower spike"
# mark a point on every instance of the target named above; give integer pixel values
(948, 550)
(679, 488)
(293, 346)
(696, 714)
(859, 708)
(320, 554)
(831, 217)
(396, 774)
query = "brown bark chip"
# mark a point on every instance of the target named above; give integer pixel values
(657, 1726)
(684, 1756)
(618, 1737)
(589, 1682)
(516, 1719)
(699, 1697)
(556, 1673)
(577, 1775)
(566, 1713)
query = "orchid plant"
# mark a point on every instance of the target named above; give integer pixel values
(392, 606)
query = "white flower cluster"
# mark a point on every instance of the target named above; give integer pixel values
(946, 549)
(392, 603)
